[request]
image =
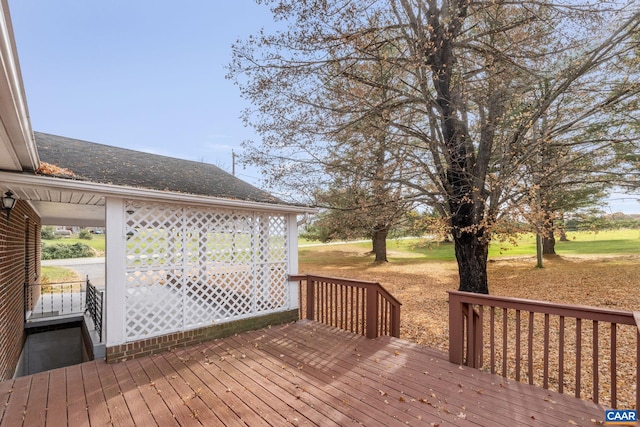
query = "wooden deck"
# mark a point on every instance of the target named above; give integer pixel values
(301, 374)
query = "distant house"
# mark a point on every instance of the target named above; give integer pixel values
(192, 252)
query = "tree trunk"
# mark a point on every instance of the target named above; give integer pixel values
(472, 251)
(379, 240)
(563, 230)
(563, 235)
(549, 245)
(548, 240)
(539, 257)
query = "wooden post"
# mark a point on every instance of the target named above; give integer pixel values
(456, 329)
(372, 313)
(636, 317)
(395, 321)
(310, 297)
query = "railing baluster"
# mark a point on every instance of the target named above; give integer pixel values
(517, 345)
(561, 356)
(504, 342)
(471, 336)
(343, 308)
(545, 383)
(385, 319)
(337, 309)
(614, 367)
(595, 362)
(530, 348)
(322, 308)
(358, 309)
(578, 354)
(351, 306)
(331, 304)
(492, 338)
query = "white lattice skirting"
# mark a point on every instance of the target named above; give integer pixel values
(191, 267)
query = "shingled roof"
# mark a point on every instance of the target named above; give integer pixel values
(89, 161)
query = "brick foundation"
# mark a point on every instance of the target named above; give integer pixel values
(163, 343)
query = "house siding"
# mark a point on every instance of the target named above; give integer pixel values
(17, 260)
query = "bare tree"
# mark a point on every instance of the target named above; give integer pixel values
(462, 93)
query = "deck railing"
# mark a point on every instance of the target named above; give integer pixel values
(546, 344)
(93, 304)
(54, 299)
(365, 308)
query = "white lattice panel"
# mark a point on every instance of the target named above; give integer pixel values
(190, 267)
(154, 303)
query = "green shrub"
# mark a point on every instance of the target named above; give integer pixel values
(85, 234)
(62, 251)
(48, 232)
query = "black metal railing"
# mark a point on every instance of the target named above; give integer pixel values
(54, 299)
(94, 301)
(48, 300)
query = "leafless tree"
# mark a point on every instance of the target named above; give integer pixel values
(461, 98)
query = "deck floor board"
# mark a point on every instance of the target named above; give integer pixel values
(156, 403)
(302, 373)
(57, 398)
(238, 395)
(132, 397)
(37, 402)
(17, 402)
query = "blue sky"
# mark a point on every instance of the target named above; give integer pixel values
(145, 74)
(142, 74)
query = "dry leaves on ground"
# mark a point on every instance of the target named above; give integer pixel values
(610, 282)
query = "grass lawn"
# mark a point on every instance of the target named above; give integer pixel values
(51, 274)
(420, 275)
(615, 242)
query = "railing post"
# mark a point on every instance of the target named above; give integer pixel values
(456, 330)
(310, 298)
(372, 313)
(636, 317)
(395, 321)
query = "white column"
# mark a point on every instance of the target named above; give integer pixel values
(292, 257)
(115, 280)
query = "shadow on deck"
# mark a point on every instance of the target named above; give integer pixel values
(303, 373)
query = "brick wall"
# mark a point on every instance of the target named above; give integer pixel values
(162, 343)
(18, 262)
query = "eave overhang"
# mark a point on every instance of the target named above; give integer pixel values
(50, 189)
(18, 151)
